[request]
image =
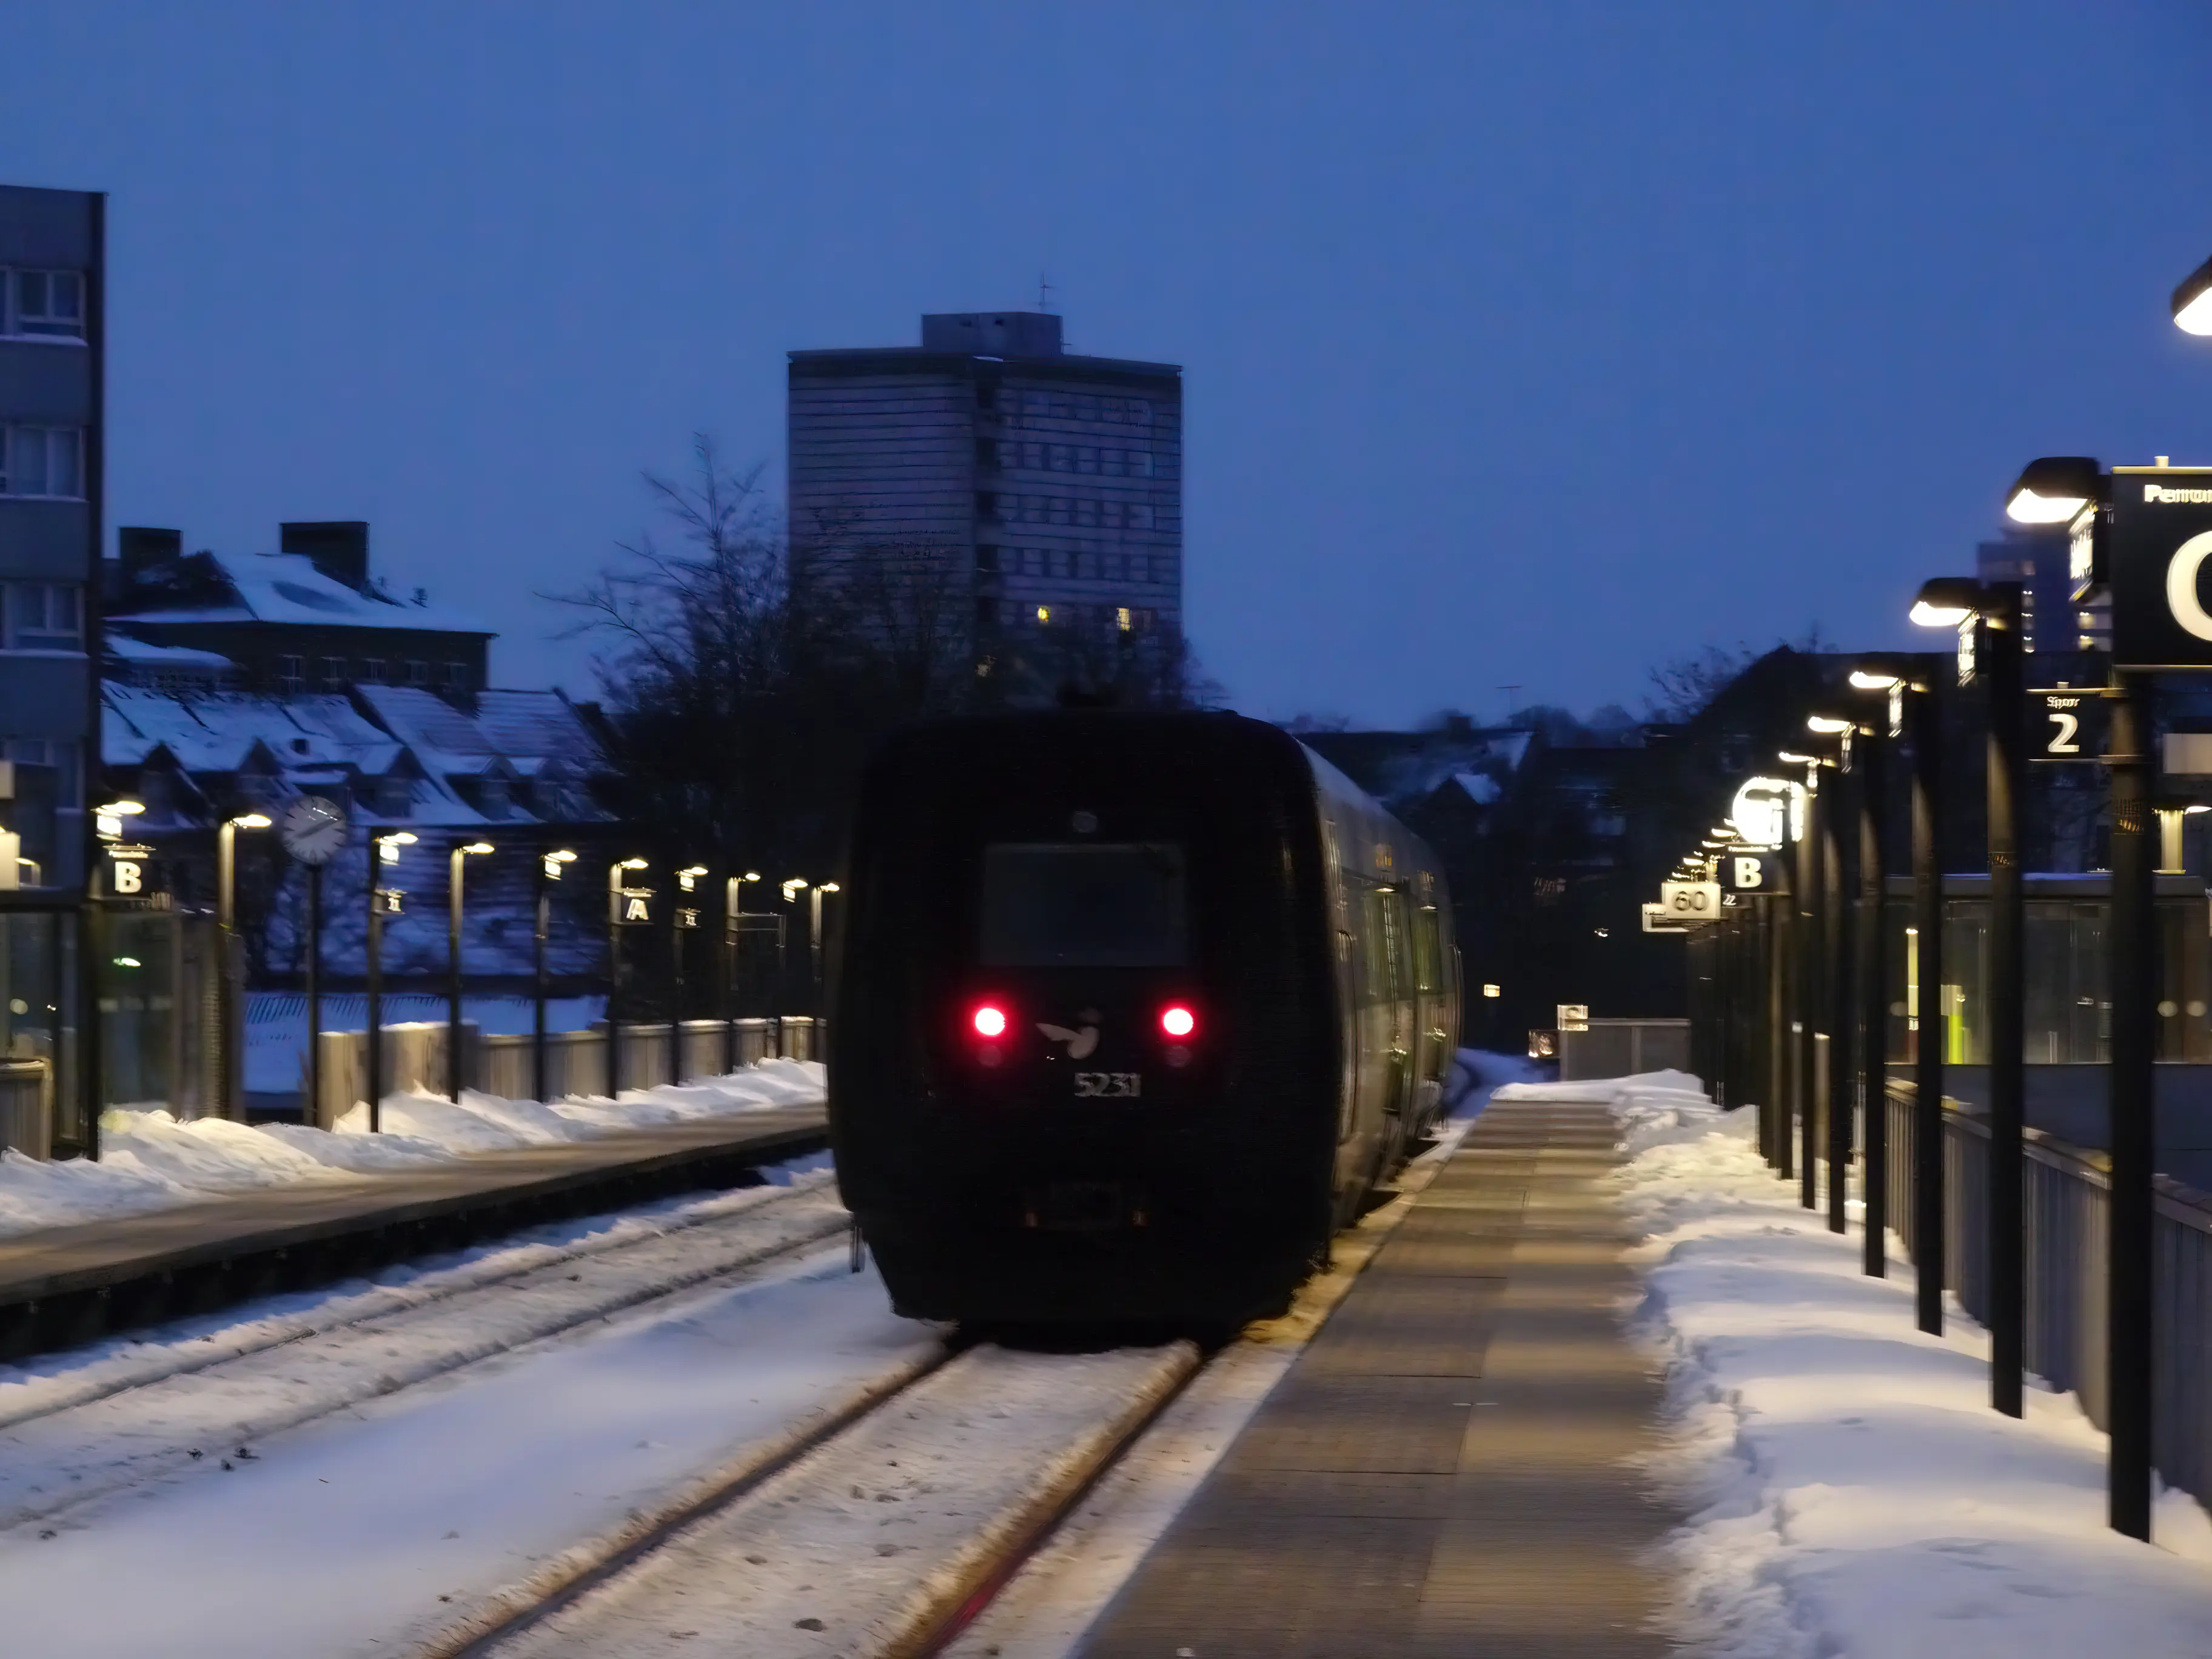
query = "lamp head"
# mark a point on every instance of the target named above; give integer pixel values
(397, 838)
(564, 856)
(2193, 301)
(477, 847)
(2052, 489)
(257, 821)
(826, 887)
(1827, 726)
(694, 871)
(121, 809)
(631, 864)
(1947, 601)
(750, 875)
(1787, 758)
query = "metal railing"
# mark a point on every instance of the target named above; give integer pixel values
(575, 1062)
(26, 1106)
(2068, 1189)
(1623, 1047)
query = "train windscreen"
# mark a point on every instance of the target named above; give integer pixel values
(1054, 904)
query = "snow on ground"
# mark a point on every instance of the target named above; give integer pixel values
(151, 1161)
(1851, 1494)
(364, 1531)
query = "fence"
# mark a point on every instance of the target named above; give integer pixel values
(27, 1106)
(2067, 1192)
(575, 1062)
(1622, 1048)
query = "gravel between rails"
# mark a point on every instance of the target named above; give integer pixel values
(870, 1542)
(189, 1417)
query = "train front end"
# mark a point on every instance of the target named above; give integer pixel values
(1079, 1005)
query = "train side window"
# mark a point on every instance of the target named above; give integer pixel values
(1428, 951)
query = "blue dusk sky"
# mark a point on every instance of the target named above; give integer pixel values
(1525, 344)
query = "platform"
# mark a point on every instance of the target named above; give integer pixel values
(1447, 1469)
(66, 1284)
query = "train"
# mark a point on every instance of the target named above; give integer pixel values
(1131, 1013)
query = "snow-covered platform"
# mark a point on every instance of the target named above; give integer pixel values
(1453, 1465)
(61, 1286)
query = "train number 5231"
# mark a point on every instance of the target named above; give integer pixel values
(1112, 1085)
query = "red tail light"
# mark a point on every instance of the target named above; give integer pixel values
(1178, 1022)
(989, 1021)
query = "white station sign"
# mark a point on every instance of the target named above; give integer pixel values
(1768, 813)
(1690, 901)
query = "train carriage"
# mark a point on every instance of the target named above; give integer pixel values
(1132, 1011)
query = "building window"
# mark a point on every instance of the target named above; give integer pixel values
(1140, 516)
(42, 461)
(47, 304)
(372, 670)
(60, 753)
(1086, 457)
(457, 677)
(1060, 458)
(292, 673)
(987, 559)
(334, 677)
(1061, 560)
(418, 672)
(1087, 408)
(42, 616)
(1087, 510)
(1140, 411)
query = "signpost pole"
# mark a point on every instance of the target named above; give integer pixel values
(1841, 1013)
(1873, 1001)
(2135, 1040)
(614, 981)
(1999, 649)
(1928, 1010)
(1808, 997)
(540, 1085)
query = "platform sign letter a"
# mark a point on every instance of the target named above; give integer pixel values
(1746, 874)
(634, 907)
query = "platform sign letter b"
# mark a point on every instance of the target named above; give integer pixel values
(129, 878)
(1746, 874)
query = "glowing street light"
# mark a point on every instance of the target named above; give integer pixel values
(2193, 301)
(2053, 489)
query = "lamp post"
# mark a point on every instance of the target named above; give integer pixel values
(1892, 676)
(733, 910)
(1989, 617)
(791, 891)
(549, 871)
(385, 849)
(814, 940)
(681, 919)
(226, 916)
(1840, 931)
(1808, 999)
(615, 873)
(454, 863)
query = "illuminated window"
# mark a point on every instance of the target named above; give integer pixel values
(1123, 620)
(1044, 616)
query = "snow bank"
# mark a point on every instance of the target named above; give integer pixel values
(1850, 1491)
(151, 1161)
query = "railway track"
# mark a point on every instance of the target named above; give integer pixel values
(158, 1412)
(883, 1528)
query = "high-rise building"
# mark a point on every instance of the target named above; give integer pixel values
(1036, 494)
(51, 248)
(2041, 561)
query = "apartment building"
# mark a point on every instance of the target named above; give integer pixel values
(51, 252)
(1041, 488)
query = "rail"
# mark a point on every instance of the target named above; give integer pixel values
(2063, 1207)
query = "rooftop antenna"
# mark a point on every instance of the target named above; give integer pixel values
(1508, 690)
(1044, 292)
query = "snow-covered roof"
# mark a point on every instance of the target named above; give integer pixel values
(285, 588)
(1481, 790)
(516, 726)
(125, 648)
